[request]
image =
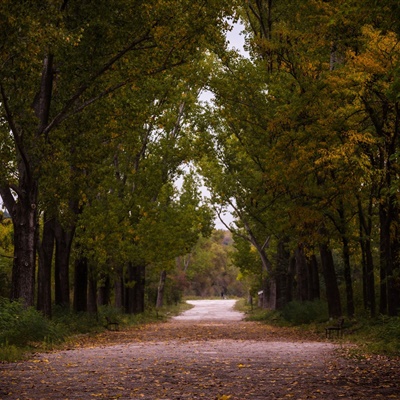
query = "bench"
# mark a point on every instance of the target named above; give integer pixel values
(338, 328)
(112, 325)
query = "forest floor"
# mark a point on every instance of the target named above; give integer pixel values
(202, 356)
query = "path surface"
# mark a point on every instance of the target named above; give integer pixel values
(203, 354)
(211, 310)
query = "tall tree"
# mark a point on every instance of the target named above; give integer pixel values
(58, 58)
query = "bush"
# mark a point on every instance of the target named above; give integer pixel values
(20, 325)
(298, 313)
(76, 323)
(381, 335)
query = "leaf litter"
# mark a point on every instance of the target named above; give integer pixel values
(211, 360)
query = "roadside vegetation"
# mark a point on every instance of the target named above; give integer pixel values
(23, 331)
(378, 335)
(106, 143)
(26, 330)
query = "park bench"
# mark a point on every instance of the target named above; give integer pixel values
(338, 328)
(112, 325)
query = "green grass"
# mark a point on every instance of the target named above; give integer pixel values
(379, 335)
(25, 330)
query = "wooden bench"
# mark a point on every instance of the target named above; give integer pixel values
(112, 325)
(338, 328)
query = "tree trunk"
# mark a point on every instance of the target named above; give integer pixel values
(46, 250)
(302, 274)
(64, 238)
(346, 259)
(135, 289)
(92, 292)
(394, 278)
(24, 217)
(269, 296)
(390, 249)
(281, 274)
(314, 278)
(140, 289)
(384, 250)
(291, 279)
(81, 284)
(119, 290)
(160, 291)
(104, 292)
(332, 289)
(347, 277)
(367, 258)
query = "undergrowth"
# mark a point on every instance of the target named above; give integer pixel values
(380, 335)
(23, 330)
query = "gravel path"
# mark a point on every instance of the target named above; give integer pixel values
(197, 356)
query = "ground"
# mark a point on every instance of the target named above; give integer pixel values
(208, 353)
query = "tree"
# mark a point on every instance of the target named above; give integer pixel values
(6, 235)
(59, 59)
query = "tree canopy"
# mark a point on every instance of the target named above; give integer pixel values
(100, 115)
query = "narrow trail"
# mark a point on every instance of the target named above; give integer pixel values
(208, 352)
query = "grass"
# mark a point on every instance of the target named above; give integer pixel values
(23, 331)
(380, 335)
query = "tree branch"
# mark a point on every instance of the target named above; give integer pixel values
(14, 130)
(63, 114)
(7, 197)
(6, 256)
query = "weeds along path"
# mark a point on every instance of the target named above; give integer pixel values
(203, 354)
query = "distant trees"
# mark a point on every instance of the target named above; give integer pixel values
(208, 269)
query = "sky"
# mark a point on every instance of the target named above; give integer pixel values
(236, 39)
(235, 42)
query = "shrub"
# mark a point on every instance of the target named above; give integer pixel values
(20, 325)
(299, 313)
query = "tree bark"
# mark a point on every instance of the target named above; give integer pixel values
(23, 211)
(81, 284)
(24, 217)
(64, 238)
(135, 289)
(104, 292)
(347, 277)
(390, 252)
(161, 288)
(367, 258)
(281, 275)
(119, 290)
(45, 250)
(302, 289)
(332, 289)
(314, 278)
(384, 257)
(343, 230)
(92, 292)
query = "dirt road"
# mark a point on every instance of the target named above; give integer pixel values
(203, 354)
(211, 310)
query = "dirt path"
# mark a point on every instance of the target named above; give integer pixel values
(195, 358)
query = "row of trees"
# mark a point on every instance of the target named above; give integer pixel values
(94, 99)
(99, 112)
(302, 142)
